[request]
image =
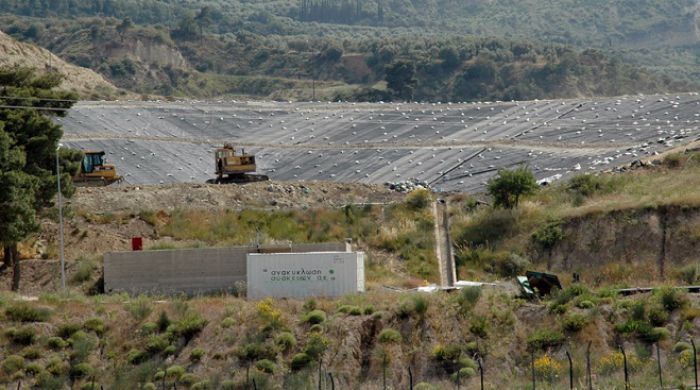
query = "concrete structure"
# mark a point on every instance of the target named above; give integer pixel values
(189, 271)
(299, 275)
(451, 146)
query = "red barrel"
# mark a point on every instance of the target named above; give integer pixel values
(137, 244)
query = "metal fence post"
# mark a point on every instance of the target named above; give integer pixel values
(658, 364)
(458, 378)
(624, 361)
(532, 366)
(571, 370)
(695, 363)
(330, 375)
(481, 371)
(255, 385)
(588, 366)
(320, 373)
(410, 378)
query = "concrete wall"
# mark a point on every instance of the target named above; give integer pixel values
(189, 271)
(299, 275)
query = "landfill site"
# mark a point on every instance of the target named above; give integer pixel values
(448, 147)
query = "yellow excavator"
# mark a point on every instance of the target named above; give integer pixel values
(95, 172)
(233, 166)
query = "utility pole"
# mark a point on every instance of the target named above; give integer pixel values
(60, 221)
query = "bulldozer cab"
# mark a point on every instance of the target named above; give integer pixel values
(230, 161)
(93, 160)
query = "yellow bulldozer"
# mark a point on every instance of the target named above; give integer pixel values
(235, 166)
(95, 172)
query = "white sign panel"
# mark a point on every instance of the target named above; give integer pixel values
(299, 275)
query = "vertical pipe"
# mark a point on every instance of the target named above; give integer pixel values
(571, 370)
(410, 378)
(658, 364)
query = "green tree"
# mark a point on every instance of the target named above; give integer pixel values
(401, 79)
(507, 188)
(203, 19)
(123, 27)
(28, 147)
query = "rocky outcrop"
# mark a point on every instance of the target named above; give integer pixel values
(666, 236)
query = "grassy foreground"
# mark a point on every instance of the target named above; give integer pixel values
(225, 342)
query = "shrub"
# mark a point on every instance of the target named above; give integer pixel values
(24, 312)
(31, 353)
(148, 328)
(45, 380)
(136, 357)
(228, 385)
(387, 336)
(468, 297)
(56, 343)
(80, 370)
(190, 326)
(685, 358)
(545, 338)
(139, 308)
(418, 199)
(300, 361)
(585, 304)
(22, 336)
(33, 368)
(227, 322)
(156, 344)
(12, 364)
(169, 350)
(163, 321)
(657, 315)
(420, 305)
(265, 366)
(574, 322)
(201, 385)
(188, 379)
(315, 317)
(478, 326)
(174, 372)
(57, 367)
(316, 345)
(84, 271)
(423, 386)
(149, 386)
(159, 375)
(95, 325)
(546, 368)
(196, 355)
(65, 331)
(464, 372)
(368, 310)
(671, 298)
(681, 346)
(446, 353)
(286, 341)
(318, 328)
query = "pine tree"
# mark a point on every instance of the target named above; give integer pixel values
(28, 147)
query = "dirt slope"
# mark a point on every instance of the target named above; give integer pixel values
(84, 81)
